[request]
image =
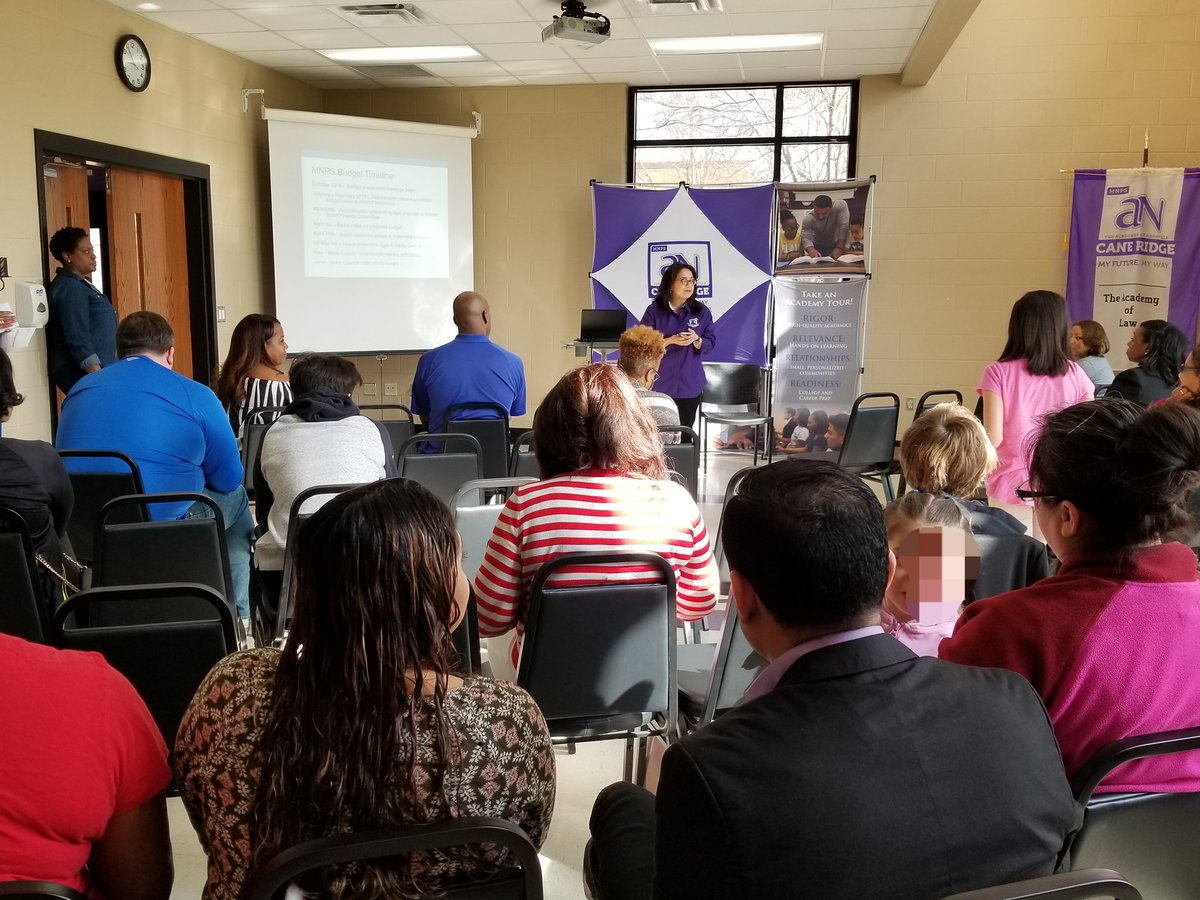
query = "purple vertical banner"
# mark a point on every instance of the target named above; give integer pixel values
(1134, 251)
(723, 233)
(818, 358)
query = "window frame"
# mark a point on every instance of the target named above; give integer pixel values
(632, 144)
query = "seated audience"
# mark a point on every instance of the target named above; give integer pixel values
(947, 451)
(853, 769)
(1112, 641)
(359, 722)
(937, 564)
(34, 484)
(84, 769)
(604, 487)
(1089, 343)
(814, 437)
(795, 430)
(641, 351)
(1189, 381)
(172, 427)
(320, 439)
(250, 377)
(1159, 349)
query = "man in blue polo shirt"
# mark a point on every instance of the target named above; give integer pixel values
(172, 427)
(469, 369)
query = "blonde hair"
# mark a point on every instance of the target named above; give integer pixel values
(918, 510)
(946, 450)
(642, 349)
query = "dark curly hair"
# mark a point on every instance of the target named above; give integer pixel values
(375, 579)
(9, 397)
(593, 418)
(1168, 349)
(65, 240)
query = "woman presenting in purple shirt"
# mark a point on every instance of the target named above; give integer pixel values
(687, 324)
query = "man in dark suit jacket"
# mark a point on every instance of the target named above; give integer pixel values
(854, 770)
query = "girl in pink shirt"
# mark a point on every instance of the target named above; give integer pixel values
(1035, 376)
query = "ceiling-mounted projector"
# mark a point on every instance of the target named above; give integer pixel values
(577, 26)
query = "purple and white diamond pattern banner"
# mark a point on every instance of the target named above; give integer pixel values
(1134, 250)
(721, 232)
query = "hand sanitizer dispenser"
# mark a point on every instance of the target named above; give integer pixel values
(32, 306)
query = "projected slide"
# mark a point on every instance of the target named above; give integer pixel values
(372, 231)
(374, 219)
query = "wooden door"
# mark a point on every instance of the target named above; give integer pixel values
(147, 243)
(66, 189)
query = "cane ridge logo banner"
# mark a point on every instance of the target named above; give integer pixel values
(818, 357)
(1134, 251)
(718, 231)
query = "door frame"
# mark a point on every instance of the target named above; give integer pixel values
(197, 205)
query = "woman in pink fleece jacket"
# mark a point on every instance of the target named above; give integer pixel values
(1112, 642)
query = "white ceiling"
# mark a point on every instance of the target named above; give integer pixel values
(862, 37)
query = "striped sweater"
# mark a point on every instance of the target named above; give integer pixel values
(593, 509)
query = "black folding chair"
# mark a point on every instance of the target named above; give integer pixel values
(1150, 838)
(270, 882)
(23, 611)
(1087, 884)
(523, 462)
(445, 472)
(172, 550)
(684, 457)
(399, 430)
(255, 425)
(735, 384)
(39, 890)
(164, 657)
(93, 490)
(492, 434)
(1007, 563)
(869, 448)
(711, 683)
(600, 660)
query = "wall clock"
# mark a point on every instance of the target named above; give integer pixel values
(133, 62)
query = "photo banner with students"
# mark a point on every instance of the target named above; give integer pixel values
(818, 353)
(824, 228)
(1134, 251)
(721, 232)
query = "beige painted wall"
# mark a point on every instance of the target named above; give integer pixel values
(532, 205)
(971, 208)
(57, 74)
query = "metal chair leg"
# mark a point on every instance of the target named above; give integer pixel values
(629, 758)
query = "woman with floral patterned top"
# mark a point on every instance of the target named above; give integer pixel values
(359, 722)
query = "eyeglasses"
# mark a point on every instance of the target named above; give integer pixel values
(1189, 368)
(653, 373)
(686, 282)
(1026, 492)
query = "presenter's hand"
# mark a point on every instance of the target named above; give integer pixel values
(813, 252)
(682, 339)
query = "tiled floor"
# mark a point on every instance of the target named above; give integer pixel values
(581, 775)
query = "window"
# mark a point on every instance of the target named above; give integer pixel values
(731, 135)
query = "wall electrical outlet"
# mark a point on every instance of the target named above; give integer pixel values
(3, 266)
(391, 389)
(910, 403)
(370, 389)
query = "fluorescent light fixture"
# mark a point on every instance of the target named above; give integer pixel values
(737, 43)
(148, 7)
(401, 54)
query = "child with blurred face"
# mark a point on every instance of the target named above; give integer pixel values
(937, 564)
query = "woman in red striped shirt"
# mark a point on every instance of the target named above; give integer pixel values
(604, 487)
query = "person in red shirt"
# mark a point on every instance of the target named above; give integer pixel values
(84, 769)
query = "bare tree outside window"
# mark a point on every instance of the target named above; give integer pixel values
(736, 135)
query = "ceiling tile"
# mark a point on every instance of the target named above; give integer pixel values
(467, 12)
(638, 79)
(326, 73)
(276, 59)
(624, 47)
(677, 62)
(882, 56)
(781, 58)
(833, 73)
(463, 69)
(166, 5)
(510, 33)
(710, 76)
(785, 73)
(414, 35)
(331, 38)
(755, 6)
(557, 79)
(522, 68)
(888, 37)
(295, 18)
(886, 17)
(507, 52)
(675, 26)
(620, 64)
(778, 23)
(413, 82)
(267, 4)
(211, 22)
(241, 41)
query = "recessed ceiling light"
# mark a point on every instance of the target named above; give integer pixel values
(737, 43)
(401, 54)
(148, 7)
